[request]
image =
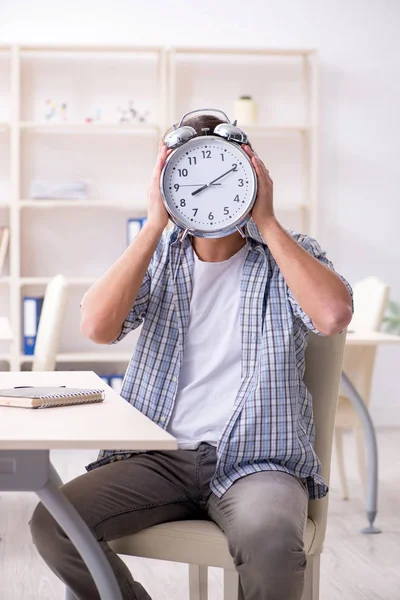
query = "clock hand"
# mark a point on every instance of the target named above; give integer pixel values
(212, 182)
(194, 184)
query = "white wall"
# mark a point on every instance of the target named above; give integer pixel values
(359, 49)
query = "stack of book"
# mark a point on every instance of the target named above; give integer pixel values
(63, 190)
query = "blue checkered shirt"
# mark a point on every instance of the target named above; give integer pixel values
(271, 425)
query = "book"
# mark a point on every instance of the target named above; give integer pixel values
(115, 382)
(32, 308)
(46, 397)
(133, 228)
(4, 243)
(62, 190)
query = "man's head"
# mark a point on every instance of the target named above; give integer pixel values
(202, 121)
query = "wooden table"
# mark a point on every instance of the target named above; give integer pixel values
(27, 436)
(363, 339)
(5, 329)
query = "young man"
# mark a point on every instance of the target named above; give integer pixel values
(219, 364)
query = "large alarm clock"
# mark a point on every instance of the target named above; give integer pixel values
(208, 183)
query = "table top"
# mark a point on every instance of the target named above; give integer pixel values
(111, 424)
(370, 338)
(5, 329)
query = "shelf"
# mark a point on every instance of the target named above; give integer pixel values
(82, 204)
(5, 357)
(4, 127)
(86, 357)
(268, 129)
(241, 51)
(145, 129)
(73, 281)
(5, 280)
(53, 48)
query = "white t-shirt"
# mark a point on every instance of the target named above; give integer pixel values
(211, 370)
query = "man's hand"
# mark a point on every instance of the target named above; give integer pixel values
(263, 209)
(157, 214)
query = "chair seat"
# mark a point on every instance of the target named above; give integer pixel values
(193, 542)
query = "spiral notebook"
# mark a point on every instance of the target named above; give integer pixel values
(47, 397)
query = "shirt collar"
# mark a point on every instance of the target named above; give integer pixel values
(253, 235)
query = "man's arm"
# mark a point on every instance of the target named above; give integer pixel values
(318, 290)
(108, 302)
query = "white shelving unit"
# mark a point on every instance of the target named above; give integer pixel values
(82, 238)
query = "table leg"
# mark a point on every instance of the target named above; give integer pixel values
(372, 452)
(31, 470)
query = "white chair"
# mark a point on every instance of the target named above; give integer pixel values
(202, 544)
(370, 301)
(50, 324)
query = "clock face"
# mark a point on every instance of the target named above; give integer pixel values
(209, 186)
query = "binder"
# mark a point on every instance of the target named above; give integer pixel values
(4, 242)
(116, 382)
(133, 228)
(32, 308)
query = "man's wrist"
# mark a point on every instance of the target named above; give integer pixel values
(270, 227)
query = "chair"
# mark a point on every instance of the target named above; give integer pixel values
(370, 300)
(50, 324)
(202, 544)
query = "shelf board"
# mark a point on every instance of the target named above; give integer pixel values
(5, 280)
(268, 129)
(86, 357)
(82, 204)
(54, 48)
(4, 126)
(139, 129)
(73, 281)
(249, 51)
(5, 357)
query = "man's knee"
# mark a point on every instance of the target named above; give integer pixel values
(44, 530)
(266, 549)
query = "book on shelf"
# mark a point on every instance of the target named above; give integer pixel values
(47, 397)
(32, 308)
(62, 190)
(114, 381)
(133, 228)
(4, 244)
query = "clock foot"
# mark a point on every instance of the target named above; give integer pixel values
(242, 233)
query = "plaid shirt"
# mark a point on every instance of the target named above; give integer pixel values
(271, 424)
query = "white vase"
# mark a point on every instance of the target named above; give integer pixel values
(245, 111)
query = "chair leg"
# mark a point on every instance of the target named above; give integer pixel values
(69, 595)
(231, 585)
(340, 460)
(362, 467)
(311, 583)
(198, 582)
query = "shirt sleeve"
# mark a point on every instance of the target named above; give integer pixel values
(313, 248)
(139, 309)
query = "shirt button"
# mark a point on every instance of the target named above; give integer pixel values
(163, 419)
(174, 379)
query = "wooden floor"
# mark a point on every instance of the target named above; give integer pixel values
(354, 566)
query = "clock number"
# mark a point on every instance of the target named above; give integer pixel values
(183, 202)
(241, 184)
(226, 210)
(206, 153)
(210, 216)
(234, 167)
(192, 160)
(195, 211)
(222, 156)
(183, 172)
(176, 187)
(236, 198)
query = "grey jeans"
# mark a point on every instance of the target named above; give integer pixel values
(263, 516)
